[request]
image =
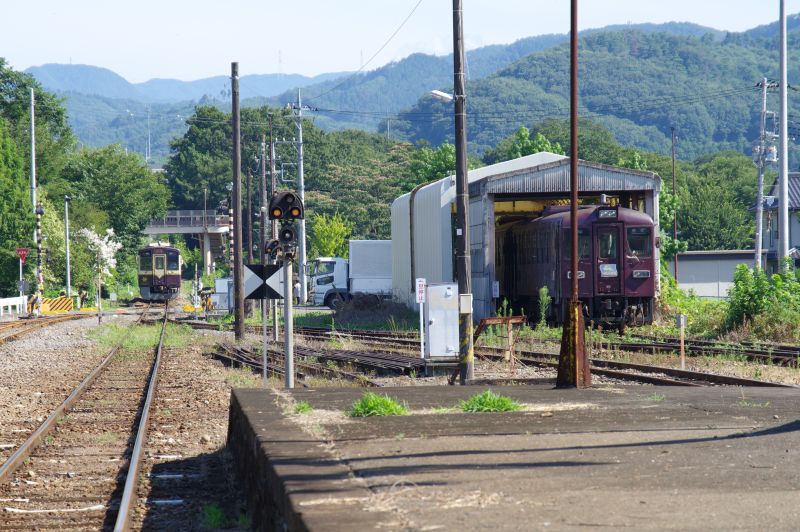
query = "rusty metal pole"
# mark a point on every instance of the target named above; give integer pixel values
(573, 366)
(463, 258)
(238, 277)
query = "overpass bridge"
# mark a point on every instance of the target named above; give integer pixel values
(211, 229)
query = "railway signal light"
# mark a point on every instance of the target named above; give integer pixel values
(286, 235)
(286, 206)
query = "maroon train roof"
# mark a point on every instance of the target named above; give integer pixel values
(587, 214)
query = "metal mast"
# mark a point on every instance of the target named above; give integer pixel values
(301, 190)
(783, 188)
(760, 153)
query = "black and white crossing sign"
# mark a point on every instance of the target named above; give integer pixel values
(263, 281)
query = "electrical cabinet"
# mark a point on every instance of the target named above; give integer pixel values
(441, 321)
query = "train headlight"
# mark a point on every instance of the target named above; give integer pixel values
(641, 274)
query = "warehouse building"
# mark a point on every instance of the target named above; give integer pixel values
(423, 221)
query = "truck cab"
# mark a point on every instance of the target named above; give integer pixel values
(328, 278)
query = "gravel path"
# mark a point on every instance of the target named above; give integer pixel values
(39, 371)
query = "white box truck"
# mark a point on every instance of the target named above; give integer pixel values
(368, 271)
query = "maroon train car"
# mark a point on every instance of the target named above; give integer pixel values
(616, 263)
(159, 272)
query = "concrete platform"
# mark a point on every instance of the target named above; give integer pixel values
(626, 457)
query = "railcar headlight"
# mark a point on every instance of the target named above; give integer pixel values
(641, 274)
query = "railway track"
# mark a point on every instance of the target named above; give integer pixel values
(658, 375)
(78, 469)
(782, 355)
(15, 329)
(304, 366)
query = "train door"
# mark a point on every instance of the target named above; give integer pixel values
(159, 269)
(608, 275)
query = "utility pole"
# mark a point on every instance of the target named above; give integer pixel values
(67, 199)
(274, 234)
(238, 278)
(262, 226)
(301, 237)
(760, 156)
(463, 258)
(33, 156)
(573, 366)
(249, 216)
(783, 179)
(674, 214)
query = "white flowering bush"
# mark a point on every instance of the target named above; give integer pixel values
(104, 249)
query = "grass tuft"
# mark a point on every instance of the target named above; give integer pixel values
(489, 401)
(213, 517)
(372, 404)
(303, 407)
(657, 397)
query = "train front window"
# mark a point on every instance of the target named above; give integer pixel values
(607, 243)
(146, 261)
(584, 244)
(639, 243)
(172, 261)
(159, 263)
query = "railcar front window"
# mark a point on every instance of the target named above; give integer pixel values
(639, 243)
(607, 239)
(146, 261)
(172, 261)
(159, 263)
(584, 244)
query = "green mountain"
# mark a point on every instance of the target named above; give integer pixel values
(638, 85)
(97, 81)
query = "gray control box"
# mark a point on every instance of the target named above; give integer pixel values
(441, 321)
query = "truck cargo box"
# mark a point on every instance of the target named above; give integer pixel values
(370, 266)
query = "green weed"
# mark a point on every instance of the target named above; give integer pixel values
(242, 378)
(489, 401)
(656, 397)
(372, 404)
(748, 404)
(212, 517)
(303, 407)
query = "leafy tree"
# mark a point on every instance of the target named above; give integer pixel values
(329, 235)
(120, 185)
(635, 162)
(519, 145)
(16, 216)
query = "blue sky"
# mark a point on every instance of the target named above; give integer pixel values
(194, 39)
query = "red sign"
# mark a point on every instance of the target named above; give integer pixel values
(22, 253)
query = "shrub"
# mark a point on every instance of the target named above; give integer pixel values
(489, 402)
(544, 306)
(372, 404)
(303, 407)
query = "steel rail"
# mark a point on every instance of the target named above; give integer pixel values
(24, 450)
(132, 478)
(27, 328)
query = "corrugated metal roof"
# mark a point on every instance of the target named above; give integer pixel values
(794, 192)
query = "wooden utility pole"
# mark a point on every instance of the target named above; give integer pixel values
(573, 365)
(238, 279)
(463, 258)
(249, 216)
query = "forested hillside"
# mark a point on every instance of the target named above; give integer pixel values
(638, 85)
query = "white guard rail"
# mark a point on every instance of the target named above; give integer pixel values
(12, 304)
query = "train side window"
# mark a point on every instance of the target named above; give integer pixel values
(172, 261)
(584, 244)
(639, 243)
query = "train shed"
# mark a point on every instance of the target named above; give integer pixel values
(423, 220)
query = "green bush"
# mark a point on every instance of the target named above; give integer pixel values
(766, 306)
(544, 306)
(489, 402)
(372, 404)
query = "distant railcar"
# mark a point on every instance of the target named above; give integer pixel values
(616, 263)
(159, 272)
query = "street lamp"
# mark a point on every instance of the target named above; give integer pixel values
(67, 199)
(442, 96)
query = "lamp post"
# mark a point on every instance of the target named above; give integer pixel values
(67, 199)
